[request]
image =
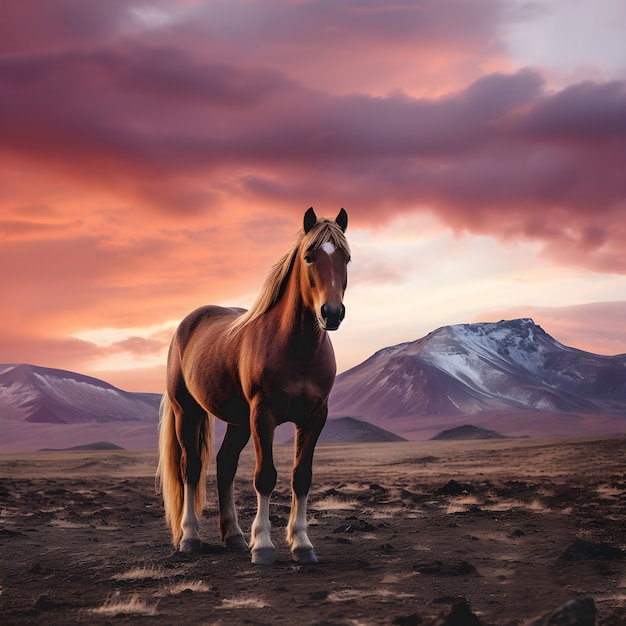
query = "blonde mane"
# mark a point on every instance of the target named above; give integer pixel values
(324, 231)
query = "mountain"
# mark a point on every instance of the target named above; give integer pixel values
(467, 431)
(42, 394)
(510, 373)
(45, 407)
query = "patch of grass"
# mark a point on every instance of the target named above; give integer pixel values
(333, 504)
(140, 573)
(129, 606)
(195, 586)
(242, 603)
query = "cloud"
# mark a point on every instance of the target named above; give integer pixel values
(158, 156)
(502, 156)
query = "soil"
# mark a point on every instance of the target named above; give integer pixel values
(492, 532)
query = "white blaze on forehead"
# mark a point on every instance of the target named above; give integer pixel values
(328, 247)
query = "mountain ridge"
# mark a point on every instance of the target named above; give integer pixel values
(37, 394)
(485, 369)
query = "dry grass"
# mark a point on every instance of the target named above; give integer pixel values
(195, 586)
(609, 492)
(333, 504)
(62, 523)
(242, 603)
(128, 606)
(461, 505)
(141, 573)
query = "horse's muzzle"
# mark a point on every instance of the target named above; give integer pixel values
(332, 316)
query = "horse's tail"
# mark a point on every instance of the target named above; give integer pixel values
(169, 478)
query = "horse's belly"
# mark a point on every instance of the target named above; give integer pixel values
(234, 410)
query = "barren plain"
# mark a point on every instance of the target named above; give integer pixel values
(492, 532)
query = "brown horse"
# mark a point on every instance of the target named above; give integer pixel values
(254, 370)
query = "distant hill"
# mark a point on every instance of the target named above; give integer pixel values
(100, 445)
(467, 431)
(510, 373)
(350, 430)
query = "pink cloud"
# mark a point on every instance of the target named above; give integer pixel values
(501, 156)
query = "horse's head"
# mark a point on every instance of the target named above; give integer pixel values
(324, 255)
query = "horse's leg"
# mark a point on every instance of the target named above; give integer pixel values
(193, 436)
(235, 439)
(263, 426)
(297, 537)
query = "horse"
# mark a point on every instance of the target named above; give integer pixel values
(254, 370)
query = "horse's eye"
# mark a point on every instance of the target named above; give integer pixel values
(308, 260)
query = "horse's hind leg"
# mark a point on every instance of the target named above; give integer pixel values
(306, 439)
(235, 439)
(194, 437)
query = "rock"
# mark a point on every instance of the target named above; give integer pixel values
(454, 488)
(439, 568)
(409, 620)
(582, 550)
(460, 615)
(578, 612)
(46, 603)
(355, 524)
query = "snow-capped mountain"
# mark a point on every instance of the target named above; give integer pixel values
(485, 369)
(40, 394)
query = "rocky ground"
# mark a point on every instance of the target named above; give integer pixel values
(467, 533)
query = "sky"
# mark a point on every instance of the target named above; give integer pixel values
(156, 156)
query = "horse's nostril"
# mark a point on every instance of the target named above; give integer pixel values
(333, 316)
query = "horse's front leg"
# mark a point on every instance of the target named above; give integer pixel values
(263, 425)
(306, 439)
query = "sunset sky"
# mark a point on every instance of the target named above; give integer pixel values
(159, 155)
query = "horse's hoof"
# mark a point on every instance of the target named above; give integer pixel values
(263, 556)
(305, 556)
(189, 546)
(236, 543)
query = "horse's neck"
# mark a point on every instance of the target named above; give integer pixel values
(297, 322)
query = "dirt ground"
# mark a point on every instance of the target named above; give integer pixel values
(526, 525)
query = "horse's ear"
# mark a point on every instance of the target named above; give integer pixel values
(310, 219)
(342, 220)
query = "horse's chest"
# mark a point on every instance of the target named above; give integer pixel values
(296, 404)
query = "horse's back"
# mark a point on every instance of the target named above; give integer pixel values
(207, 316)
